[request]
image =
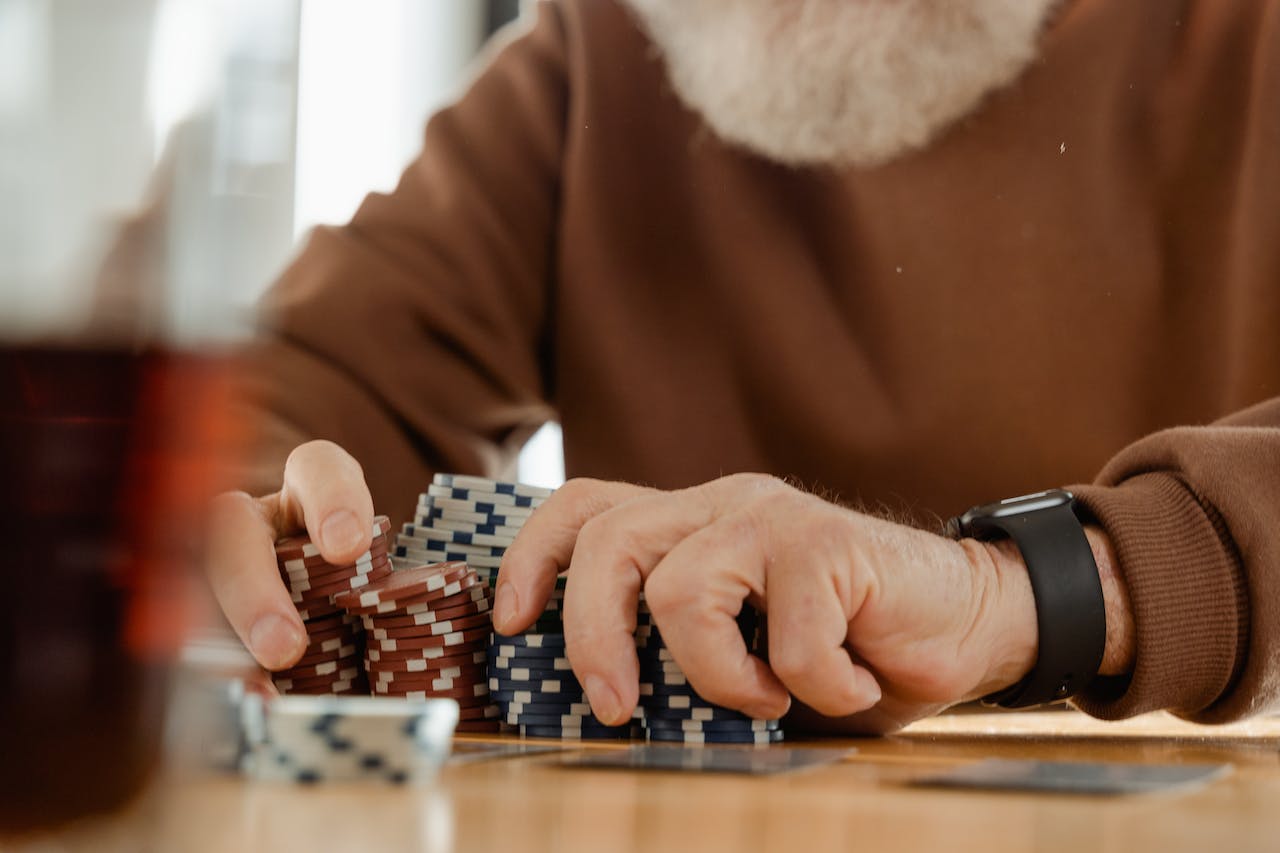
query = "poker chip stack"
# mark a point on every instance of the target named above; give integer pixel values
(426, 631)
(674, 712)
(331, 662)
(467, 518)
(537, 693)
(312, 739)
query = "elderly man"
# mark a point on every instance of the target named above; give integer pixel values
(910, 255)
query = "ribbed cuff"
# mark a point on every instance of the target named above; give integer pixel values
(1187, 589)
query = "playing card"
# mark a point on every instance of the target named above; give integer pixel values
(751, 761)
(1076, 777)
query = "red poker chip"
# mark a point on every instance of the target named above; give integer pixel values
(326, 593)
(291, 684)
(420, 603)
(341, 655)
(392, 688)
(398, 668)
(469, 590)
(470, 674)
(316, 641)
(453, 638)
(340, 584)
(478, 727)
(469, 696)
(317, 610)
(335, 620)
(320, 670)
(480, 712)
(407, 583)
(294, 581)
(320, 578)
(304, 547)
(433, 629)
(312, 566)
(474, 607)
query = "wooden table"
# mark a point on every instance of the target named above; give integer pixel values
(861, 803)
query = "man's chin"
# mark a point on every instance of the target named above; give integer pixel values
(840, 82)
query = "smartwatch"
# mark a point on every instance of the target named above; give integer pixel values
(1070, 614)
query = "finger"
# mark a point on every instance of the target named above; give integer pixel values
(614, 553)
(241, 566)
(325, 493)
(807, 631)
(545, 545)
(696, 594)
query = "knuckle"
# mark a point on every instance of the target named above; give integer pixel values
(665, 596)
(788, 662)
(751, 482)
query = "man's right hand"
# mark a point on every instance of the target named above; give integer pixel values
(323, 494)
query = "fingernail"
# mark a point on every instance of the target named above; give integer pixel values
(505, 605)
(340, 532)
(274, 641)
(604, 702)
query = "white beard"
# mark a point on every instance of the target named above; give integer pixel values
(843, 82)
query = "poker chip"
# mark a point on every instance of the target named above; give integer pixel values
(388, 669)
(403, 585)
(544, 686)
(745, 737)
(331, 661)
(427, 555)
(313, 739)
(472, 607)
(482, 484)
(673, 710)
(475, 621)
(579, 732)
(299, 547)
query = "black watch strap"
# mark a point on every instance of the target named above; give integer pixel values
(1070, 613)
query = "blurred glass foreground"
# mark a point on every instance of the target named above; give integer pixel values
(146, 192)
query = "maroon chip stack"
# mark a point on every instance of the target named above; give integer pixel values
(427, 629)
(335, 642)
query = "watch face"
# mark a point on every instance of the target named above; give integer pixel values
(1020, 505)
(1028, 503)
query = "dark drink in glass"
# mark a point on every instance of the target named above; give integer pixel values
(106, 459)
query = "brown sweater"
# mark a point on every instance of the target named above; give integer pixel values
(988, 317)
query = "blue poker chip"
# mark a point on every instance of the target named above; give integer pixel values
(758, 738)
(523, 653)
(584, 733)
(712, 725)
(651, 688)
(432, 537)
(531, 697)
(436, 542)
(540, 662)
(484, 484)
(529, 641)
(527, 673)
(579, 709)
(525, 718)
(704, 712)
(430, 514)
(438, 494)
(558, 685)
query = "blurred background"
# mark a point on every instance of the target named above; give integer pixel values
(161, 159)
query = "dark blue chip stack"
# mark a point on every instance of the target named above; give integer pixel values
(536, 691)
(674, 712)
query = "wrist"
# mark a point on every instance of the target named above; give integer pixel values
(1009, 609)
(1008, 612)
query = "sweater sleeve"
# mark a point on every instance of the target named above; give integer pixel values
(1194, 516)
(415, 336)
